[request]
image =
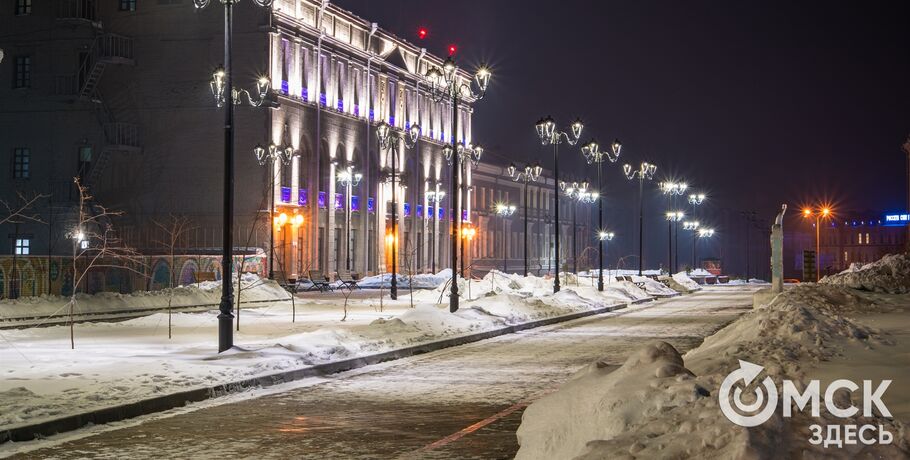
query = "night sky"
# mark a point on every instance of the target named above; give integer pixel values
(757, 102)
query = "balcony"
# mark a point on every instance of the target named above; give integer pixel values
(122, 137)
(79, 10)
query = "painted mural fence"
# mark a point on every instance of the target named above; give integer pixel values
(42, 275)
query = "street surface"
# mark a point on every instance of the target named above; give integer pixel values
(461, 402)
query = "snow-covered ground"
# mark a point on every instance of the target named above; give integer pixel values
(121, 362)
(661, 404)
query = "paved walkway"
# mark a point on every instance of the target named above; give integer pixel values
(462, 402)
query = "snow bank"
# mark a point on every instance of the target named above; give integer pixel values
(661, 405)
(122, 362)
(603, 404)
(653, 287)
(421, 281)
(205, 293)
(889, 274)
(683, 280)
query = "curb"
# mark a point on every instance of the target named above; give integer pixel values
(174, 400)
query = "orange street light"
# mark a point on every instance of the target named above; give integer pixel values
(824, 212)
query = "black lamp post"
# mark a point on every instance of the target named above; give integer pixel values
(672, 190)
(593, 154)
(645, 171)
(447, 86)
(227, 96)
(505, 210)
(348, 179)
(695, 199)
(549, 135)
(389, 139)
(530, 174)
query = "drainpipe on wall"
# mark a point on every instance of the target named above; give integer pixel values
(316, 257)
(366, 177)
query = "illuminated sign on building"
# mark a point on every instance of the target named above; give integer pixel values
(897, 219)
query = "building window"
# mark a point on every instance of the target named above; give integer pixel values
(21, 163)
(867, 238)
(21, 247)
(859, 238)
(23, 7)
(127, 5)
(85, 161)
(23, 77)
(846, 257)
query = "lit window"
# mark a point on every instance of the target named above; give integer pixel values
(127, 5)
(846, 257)
(867, 238)
(23, 75)
(859, 238)
(23, 7)
(22, 246)
(21, 163)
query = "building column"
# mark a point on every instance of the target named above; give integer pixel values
(331, 262)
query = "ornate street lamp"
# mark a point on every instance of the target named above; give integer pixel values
(692, 226)
(435, 197)
(549, 135)
(530, 174)
(505, 210)
(593, 154)
(268, 156)
(578, 193)
(446, 85)
(348, 179)
(645, 171)
(604, 237)
(673, 218)
(223, 79)
(702, 233)
(388, 139)
(672, 189)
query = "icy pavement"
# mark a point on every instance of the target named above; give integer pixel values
(464, 402)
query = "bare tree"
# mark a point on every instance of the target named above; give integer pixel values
(21, 210)
(174, 229)
(95, 245)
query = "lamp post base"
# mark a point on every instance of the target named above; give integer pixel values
(225, 331)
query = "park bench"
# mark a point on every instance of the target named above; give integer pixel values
(204, 276)
(319, 280)
(347, 279)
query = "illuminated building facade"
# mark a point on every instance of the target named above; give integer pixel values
(117, 94)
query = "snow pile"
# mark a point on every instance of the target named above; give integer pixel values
(600, 404)
(683, 280)
(420, 281)
(889, 274)
(653, 287)
(253, 287)
(658, 405)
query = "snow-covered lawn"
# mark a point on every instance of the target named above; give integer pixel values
(120, 362)
(663, 405)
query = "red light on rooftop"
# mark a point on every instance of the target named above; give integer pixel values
(452, 50)
(422, 33)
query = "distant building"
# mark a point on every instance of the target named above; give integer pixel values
(844, 241)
